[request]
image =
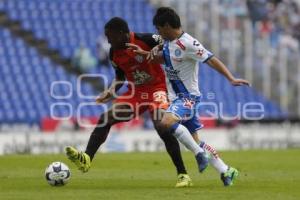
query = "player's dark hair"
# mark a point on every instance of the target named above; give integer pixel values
(166, 15)
(117, 24)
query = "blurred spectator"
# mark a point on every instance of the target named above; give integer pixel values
(103, 50)
(237, 8)
(286, 40)
(83, 59)
(296, 33)
(257, 9)
(278, 20)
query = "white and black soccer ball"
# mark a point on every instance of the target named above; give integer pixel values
(57, 174)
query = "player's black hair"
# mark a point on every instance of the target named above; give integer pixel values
(117, 24)
(166, 15)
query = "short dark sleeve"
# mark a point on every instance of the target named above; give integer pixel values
(150, 39)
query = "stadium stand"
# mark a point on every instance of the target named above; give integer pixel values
(215, 89)
(26, 79)
(65, 25)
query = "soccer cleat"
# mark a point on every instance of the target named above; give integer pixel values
(81, 159)
(202, 161)
(183, 180)
(229, 176)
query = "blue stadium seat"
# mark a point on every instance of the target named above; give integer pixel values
(72, 17)
(230, 96)
(65, 25)
(23, 69)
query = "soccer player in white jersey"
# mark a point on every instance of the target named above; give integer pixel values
(180, 53)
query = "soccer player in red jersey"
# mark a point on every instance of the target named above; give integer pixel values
(146, 92)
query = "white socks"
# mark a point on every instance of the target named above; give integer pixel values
(214, 158)
(185, 137)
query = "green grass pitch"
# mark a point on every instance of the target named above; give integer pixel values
(263, 175)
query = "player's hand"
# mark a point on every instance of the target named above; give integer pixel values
(137, 49)
(104, 97)
(153, 53)
(240, 82)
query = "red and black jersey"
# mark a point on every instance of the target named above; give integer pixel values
(136, 68)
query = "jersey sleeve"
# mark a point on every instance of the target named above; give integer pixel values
(119, 72)
(196, 51)
(150, 39)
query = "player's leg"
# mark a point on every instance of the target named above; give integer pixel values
(173, 149)
(228, 174)
(171, 121)
(118, 113)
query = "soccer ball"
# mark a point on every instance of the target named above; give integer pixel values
(57, 174)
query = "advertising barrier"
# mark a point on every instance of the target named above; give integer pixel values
(254, 136)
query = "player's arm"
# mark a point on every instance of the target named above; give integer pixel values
(196, 51)
(156, 58)
(156, 54)
(117, 83)
(155, 42)
(218, 65)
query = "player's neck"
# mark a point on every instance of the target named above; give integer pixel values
(175, 34)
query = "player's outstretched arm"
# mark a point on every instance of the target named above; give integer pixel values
(153, 56)
(155, 53)
(218, 65)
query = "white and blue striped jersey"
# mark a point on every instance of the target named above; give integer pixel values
(181, 65)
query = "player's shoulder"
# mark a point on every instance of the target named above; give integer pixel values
(147, 36)
(188, 40)
(150, 39)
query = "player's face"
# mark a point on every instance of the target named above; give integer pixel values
(163, 31)
(117, 39)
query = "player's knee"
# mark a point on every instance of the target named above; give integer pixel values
(167, 122)
(163, 125)
(159, 128)
(164, 134)
(101, 126)
(105, 120)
